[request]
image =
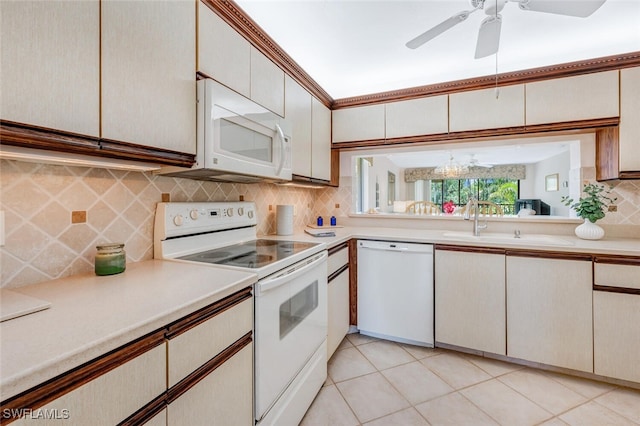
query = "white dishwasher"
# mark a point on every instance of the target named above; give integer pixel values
(395, 291)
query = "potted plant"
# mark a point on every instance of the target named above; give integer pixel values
(591, 208)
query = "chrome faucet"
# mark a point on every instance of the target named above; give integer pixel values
(473, 202)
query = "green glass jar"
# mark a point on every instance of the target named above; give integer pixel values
(110, 259)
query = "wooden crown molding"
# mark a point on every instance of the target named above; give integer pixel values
(606, 63)
(247, 27)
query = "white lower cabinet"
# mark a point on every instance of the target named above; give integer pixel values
(470, 299)
(223, 397)
(109, 398)
(337, 298)
(549, 310)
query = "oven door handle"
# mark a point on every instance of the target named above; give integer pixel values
(270, 284)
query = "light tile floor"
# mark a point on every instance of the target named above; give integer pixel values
(380, 383)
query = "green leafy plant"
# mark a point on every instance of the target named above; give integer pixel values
(595, 205)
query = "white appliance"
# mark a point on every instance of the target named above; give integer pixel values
(237, 139)
(290, 328)
(395, 291)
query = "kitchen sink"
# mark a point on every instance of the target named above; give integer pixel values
(524, 239)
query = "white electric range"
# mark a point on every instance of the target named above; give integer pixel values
(290, 318)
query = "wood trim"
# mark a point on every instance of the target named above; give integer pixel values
(629, 175)
(612, 289)
(543, 254)
(56, 387)
(469, 249)
(335, 167)
(607, 154)
(337, 248)
(617, 259)
(606, 63)
(196, 318)
(465, 136)
(147, 412)
(353, 282)
(28, 136)
(233, 15)
(197, 375)
(337, 273)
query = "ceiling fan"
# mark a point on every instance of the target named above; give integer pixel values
(489, 34)
(473, 162)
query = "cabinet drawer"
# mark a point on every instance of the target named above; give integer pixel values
(612, 275)
(111, 397)
(337, 260)
(191, 349)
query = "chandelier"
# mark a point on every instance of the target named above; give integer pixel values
(452, 169)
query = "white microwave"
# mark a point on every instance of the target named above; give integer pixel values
(237, 139)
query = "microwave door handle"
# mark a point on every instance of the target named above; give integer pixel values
(272, 283)
(282, 149)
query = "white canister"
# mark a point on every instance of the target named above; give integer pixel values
(284, 219)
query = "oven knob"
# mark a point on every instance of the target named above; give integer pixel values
(178, 220)
(193, 214)
(240, 211)
(250, 214)
(230, 211)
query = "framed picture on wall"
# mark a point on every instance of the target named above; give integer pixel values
(551, 182)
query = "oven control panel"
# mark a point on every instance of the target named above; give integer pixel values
(179, 219)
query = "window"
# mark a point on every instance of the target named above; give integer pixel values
(503, 192)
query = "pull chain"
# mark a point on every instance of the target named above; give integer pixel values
(497, 90)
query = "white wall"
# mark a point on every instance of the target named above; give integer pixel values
(379, 172)
(534, 185)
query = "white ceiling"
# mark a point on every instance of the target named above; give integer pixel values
(488, 156)
(357, 47)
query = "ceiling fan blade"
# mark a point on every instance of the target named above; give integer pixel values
(438, 29)
(578, 8)
(489, 36)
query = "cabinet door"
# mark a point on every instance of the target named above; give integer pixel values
(191, 349)
(148, 73)
(267, 83)
(629, 122)
(358, 123)
(480, 109)
(338, 305)
(298, 113)
(549, 311)
(50, 64)
(223, 54)
(470, 300)
(573, 98)
(223, 397)
(320, 140)
(424, 116)
(114, 396)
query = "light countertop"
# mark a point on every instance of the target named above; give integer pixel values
(612, 246)
(91, 315)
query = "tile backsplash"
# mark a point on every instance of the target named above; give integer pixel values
(43, 242)
(56, 215)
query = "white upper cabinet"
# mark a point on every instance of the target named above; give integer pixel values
(267, 83)
(223, 54)
(298, 113)
(148, 73)
(481, 109)
(417, 117)
(358, 123)
(50, 64)
(581, 97)
(311, 132)
(320, 140)
(629, 119)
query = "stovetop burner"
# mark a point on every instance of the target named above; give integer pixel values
(250, 254)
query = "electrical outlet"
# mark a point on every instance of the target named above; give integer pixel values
(295, 210)
(1, 228)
